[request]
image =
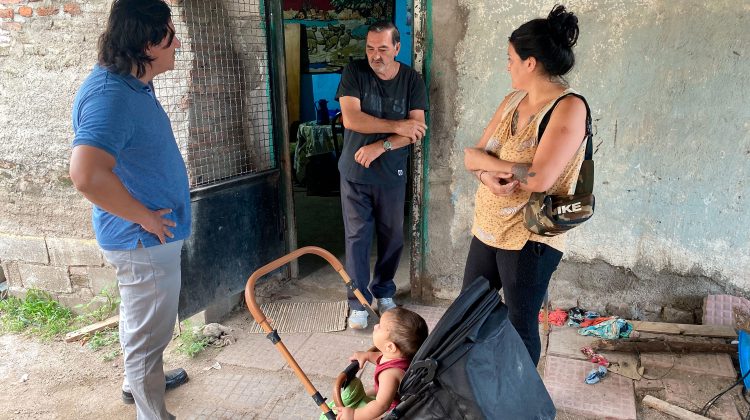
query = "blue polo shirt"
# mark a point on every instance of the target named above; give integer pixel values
(121, 115)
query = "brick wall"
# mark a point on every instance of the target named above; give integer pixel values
(71, 269)
(14, 13)
(218, 94)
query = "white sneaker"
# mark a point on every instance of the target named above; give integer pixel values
(386, 304)
(358, 319)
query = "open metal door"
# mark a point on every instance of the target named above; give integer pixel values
(225, 113)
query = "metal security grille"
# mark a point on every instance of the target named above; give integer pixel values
(218, 96)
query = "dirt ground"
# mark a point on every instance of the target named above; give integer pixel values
(70, 381)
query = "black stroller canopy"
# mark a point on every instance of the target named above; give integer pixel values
(473, 366)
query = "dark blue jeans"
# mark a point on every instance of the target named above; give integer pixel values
(369, 209)
(524, 275)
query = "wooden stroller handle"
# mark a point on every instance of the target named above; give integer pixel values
(252, 304)
(260, 317)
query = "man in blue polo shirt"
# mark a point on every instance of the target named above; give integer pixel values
(126, 162)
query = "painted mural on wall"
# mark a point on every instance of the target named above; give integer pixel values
(334, 30)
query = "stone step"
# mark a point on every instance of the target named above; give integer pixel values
(612, 397)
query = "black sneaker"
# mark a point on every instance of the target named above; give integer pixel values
(172, 379)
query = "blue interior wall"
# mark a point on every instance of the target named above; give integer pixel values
(315, 87)
(323, 86)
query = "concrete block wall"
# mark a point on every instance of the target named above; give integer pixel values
(46, 49)
(72, 270)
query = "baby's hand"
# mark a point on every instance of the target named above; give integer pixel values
(360, 357)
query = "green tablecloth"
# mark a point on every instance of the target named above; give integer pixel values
(312, 139)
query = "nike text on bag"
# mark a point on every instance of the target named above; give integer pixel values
(551, 215)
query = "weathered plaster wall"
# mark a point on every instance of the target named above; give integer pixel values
(46, 50)
(43, 60)
(217, 99)
(667, 85)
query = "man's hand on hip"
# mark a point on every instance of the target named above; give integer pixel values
(159, 225)
(367, 154)
(411, 128)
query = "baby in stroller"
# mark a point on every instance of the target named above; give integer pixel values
(398, 336)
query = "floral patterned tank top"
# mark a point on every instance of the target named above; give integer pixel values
(498, 221)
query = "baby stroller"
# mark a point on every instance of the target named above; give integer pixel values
(473, 365)
(273, 335)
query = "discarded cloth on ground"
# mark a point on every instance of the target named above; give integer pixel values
(595, 357)
(556, 317)
(575, 316)
(596, 375)
(594, 321)
(578, 315)
(609, 330)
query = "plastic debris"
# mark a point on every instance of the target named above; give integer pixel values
(596, 375)
(594, 321)
(595, 357)
(556, 317)
(24, 377)
(591, 315)
(216, 366)
(578, 317)
(609, 330)
(575, 316)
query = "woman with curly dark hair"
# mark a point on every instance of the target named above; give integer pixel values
(511, 161)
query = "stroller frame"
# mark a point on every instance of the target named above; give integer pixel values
(274, 337)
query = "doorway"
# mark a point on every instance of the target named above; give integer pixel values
(309, 27)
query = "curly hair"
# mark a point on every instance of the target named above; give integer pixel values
(133, 26)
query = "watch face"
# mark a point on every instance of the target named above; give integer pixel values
(387, 145)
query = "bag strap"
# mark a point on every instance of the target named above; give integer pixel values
(588, 155)
(513, 99)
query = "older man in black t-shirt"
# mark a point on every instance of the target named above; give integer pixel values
(383, 104)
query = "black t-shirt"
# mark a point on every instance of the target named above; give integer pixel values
(385, 99)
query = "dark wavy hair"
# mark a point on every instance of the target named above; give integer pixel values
(133, 25)
(549, 40)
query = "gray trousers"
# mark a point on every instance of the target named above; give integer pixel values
(149, 283)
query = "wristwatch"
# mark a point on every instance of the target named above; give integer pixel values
(387, 145)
